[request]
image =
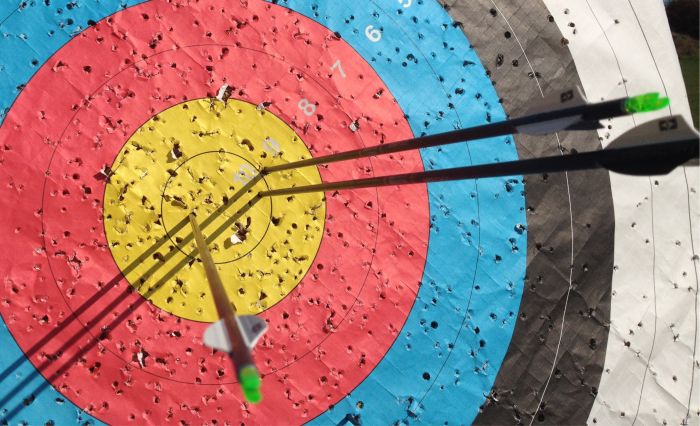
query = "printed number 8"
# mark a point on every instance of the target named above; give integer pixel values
(307, 107)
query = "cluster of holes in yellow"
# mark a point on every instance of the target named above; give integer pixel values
(204, 156)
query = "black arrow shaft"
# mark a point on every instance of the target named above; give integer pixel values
(648, 159)
(588, 113)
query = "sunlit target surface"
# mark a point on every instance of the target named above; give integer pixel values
(384, 305)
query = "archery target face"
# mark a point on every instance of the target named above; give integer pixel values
(386, 303)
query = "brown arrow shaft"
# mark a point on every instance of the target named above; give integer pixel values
(240, 354)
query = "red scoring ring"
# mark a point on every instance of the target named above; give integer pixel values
(336, 335)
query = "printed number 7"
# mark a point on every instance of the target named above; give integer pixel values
(339, 66)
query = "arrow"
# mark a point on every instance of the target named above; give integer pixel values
(667, 143)
(235, 334)
(567, 110)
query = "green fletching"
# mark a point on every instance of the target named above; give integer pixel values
(251, 383)
(254, 396)
(646, 103)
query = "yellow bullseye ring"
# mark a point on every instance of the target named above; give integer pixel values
(204, 156)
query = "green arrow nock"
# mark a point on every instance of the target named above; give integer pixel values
(646, 103)
(251, 384)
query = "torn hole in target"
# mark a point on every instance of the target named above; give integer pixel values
(224, 93)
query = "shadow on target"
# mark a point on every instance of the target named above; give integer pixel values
(7, 416)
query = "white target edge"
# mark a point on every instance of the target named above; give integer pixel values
(625, 47)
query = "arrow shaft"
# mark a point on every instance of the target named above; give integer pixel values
(647, 158)
(240, 354)
(588, 113)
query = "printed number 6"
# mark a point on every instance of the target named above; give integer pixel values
(245, 174)
(307, 107)
(373, 34)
